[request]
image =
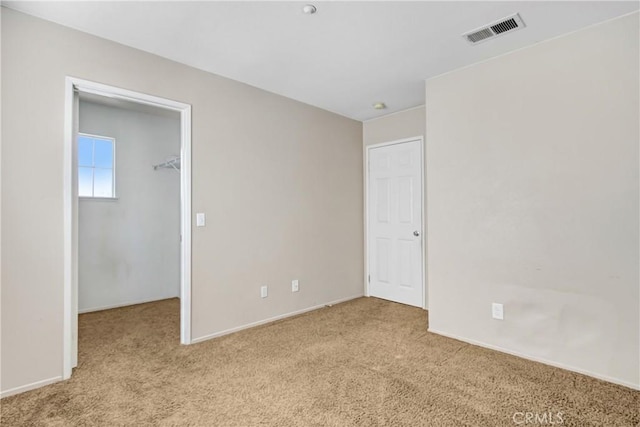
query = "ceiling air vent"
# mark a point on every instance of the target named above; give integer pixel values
(502, 26)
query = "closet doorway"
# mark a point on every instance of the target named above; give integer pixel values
(127, 204)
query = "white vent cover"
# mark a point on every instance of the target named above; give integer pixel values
(499, 27)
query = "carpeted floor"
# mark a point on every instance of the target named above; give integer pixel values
(366, 362)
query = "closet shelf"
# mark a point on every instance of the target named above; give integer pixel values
(170, 163)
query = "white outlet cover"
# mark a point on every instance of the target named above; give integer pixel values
(295, 286)
(497, 311)
(264, 292)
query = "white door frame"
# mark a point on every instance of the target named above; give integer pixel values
(70, 198)
(423, 241)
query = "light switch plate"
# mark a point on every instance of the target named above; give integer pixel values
(295, 286)
(200, 220)
(264, 292)
(497, 311)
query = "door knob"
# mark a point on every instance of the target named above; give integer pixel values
(416, 233)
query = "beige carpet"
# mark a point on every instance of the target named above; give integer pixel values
(366, 362)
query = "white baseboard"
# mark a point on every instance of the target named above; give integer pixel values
(27, 387)
(539, 360)
(124, 304)
(271, 319)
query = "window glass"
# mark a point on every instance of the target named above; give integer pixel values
(96, 166)
(85, 181)
(85, 151)
(102, 183)
(103, 153)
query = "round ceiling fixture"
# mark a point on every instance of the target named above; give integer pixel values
(379, 106)
(309, 9)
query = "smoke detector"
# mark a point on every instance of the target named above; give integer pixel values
(309, 9)
(502, 26)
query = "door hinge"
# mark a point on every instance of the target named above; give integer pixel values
(369, 278)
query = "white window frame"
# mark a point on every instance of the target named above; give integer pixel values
(114, 195)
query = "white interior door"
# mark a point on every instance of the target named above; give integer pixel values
(395, 223)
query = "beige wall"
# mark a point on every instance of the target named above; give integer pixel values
(404, 124)
(532, 201)
(280, 182)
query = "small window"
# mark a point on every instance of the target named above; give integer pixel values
(96, 166)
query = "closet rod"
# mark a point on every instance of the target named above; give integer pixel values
(173, 163)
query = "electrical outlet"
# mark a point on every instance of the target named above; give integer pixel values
(295, 286)
(264, 292)
(497, 311)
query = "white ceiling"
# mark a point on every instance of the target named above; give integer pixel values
(343, 59)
